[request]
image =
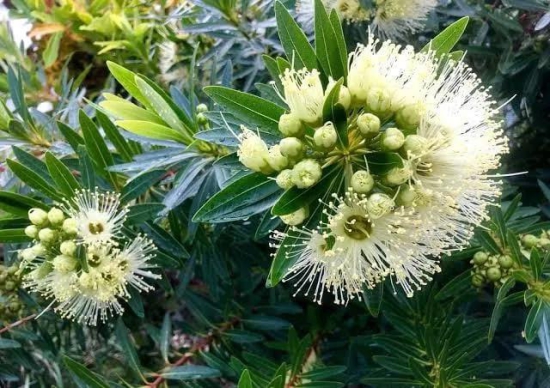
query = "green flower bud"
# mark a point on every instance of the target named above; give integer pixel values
(415, 145)
(409, 116)
(295, 218)
(407, 195)
(38, 216)
(9, 286)
(306, 173)
(64, 263)
(275, 159)
(477, 280)
(368, 124)
(39, 250)
(70, 226)
(292, 147)
(56, 216)
(398, 175)
(379, 101)
(493, 274)
(291, 126)
(544, 243)
(47, 235)
(505, 261)
(284, 179)
(12, 270)
(362, 182)
(68, 248)
(392, 139)
(325, 137)
(14, 307)
(529, 240)
(202, 119)
(31, 231)
(480, 257)
(202, 108)
(42, 271)
(378, 205)
(344, 97)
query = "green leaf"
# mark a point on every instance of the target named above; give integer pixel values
(113, 134)
(267, 225)
(535, 263)
(498, 220)
(18, 204)
(373, 299)
(245, 381)
(336, 114)
(297, 48)
(448, 38)
(250, 109)
(127, 79)
(190, 372)
(294, 198)
(62, 176)
(152, 130)
(128, 348)
(96, 147)
(6, 343)
(86, 167)
(34, 180)
(327, 45)
(534, 320)
(33, 163)
(51, 52)
(515, 249)
(498, 310)
(82, 374)
(165, 336)
(123, 109)
(240, 199)
(487, 242)
(382, 162)
(140, 185)
(460, 285)
(137, 214)
(72, 137)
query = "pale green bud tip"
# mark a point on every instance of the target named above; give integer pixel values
(292, 147)
(39, 250)
(409, 116)
(362, 182)
(275, 159)
(505, 261)
(415, 145)
(56, 216)
(493, 274)
(368, 124)
(202, 108)
(397, 176)
(202, 119)
(378, 205)
(64, 263)
(295, 218)
(344, 97)
(68, 248)
(284, 179)
(28, 254)
(529, 240)
(378, 101)
(480, 257)
(290, 125)
(70, 226)
(306, 173)
(393, 139)
(544, 243)
(31, 231)
(38, 216)
(406, 196)
(47, 235)
(326, 137)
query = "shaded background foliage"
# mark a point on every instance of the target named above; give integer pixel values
(211, 321)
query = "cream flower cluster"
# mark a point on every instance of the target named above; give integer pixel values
(389, 18)
(434, 128)
(76, 259)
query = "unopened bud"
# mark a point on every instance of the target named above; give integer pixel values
(56, 216)
(378, 101)
(326, 137)
(295, 218)
(292, 147)
(362, 182)
(64, 263)
(529, 240)
(407, 195)
(253, 152)
(306, 173)
(31, 231)
(47, 235)
(284, 179)
(275, 159)
(202, 119)
(392, 139)
(344, 97)
(38, 216)
(398, 175)
(477, 280)
(70, 227)
(480, 257)
(368, 124)
(290, 125)
(415, 145)
(544, 243)
(378, 205)
(493, 274)
(202, 108)
(409, 116)
(68, 248)
(506, 261)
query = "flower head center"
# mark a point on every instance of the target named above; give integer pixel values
(96, 227)
(358, 227)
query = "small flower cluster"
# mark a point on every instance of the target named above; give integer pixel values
(389, 18)
(432, 128)
(489, 269)
(11, 306)
(530, 241)
(76, 259)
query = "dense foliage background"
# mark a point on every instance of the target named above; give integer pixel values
(211, 321)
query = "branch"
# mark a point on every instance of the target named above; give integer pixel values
(17, 323)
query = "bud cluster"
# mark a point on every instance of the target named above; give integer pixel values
(491, 269)
(529, 241)
(11, 307)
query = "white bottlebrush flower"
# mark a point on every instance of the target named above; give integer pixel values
(363, 251)
(253, 151)
(304, 94)
(394, 19)
(98, 216)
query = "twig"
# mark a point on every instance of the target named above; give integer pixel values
(17, 323)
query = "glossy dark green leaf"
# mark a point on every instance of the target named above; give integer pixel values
(165, 336)
(114, 135)
(18, 204)
(382, 162)
(84, 375)
(62, 176)
(487, 242)
(448, 38)
(139, 185)
(34, 180)
(534, 320)
(190, 372)
(327, 44)
(245, 380)
(72, 137)
(128, 348)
